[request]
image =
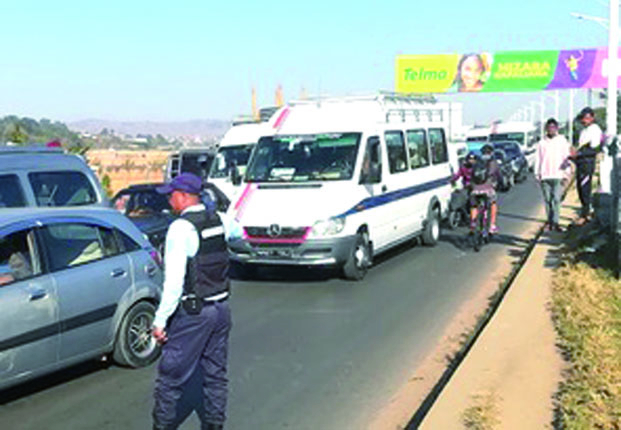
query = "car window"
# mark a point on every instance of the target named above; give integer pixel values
(64, 188)
(129, 244)
(18, 257)
(419, 151)
(11, 193)
(72, 244)
(141, 203)
(395, 147)
(439, 152)
(109, 242)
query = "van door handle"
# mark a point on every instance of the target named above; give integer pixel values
(117, 273)
(384, 188)
(37, 294)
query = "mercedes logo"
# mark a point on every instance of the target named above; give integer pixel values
(274, 230)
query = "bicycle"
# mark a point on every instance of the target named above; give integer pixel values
(480, 234)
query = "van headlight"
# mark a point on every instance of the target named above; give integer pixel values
(328, 227)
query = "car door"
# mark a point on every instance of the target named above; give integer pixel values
(29, 338)
(92, 275)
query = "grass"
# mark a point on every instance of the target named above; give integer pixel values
(586, 307)
(483, 414)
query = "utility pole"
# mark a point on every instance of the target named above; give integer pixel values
(613, 54)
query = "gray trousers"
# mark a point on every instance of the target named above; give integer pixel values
(552, 198)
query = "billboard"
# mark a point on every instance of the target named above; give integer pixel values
(502, 71)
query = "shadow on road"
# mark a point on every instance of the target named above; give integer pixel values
(52, 380)
(520, 217)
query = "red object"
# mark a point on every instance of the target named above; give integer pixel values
(54, 144)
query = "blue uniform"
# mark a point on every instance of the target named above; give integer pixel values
(198, 330)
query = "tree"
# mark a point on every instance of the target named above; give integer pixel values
(15, 133)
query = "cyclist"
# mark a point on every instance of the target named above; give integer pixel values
(465, 170)
(485, 175)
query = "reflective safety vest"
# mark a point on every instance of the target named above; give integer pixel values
(207, 273)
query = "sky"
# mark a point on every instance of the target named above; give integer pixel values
(170, 61)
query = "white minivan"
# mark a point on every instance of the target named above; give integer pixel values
(233, 154)
(343, 179)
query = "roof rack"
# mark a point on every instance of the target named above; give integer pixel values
(380, 96)
(404, 106)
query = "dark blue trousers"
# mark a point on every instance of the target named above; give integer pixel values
(195, 343)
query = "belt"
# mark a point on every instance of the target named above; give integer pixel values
(218, 298)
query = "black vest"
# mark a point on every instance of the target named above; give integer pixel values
(207, 273)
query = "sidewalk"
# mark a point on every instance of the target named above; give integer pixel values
(512, 372)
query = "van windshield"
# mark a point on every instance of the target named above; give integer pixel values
(302, 158)
(229, 157)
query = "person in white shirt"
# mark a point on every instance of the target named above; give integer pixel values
(551, 168)
(589, 145)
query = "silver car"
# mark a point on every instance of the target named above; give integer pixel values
(75, 284)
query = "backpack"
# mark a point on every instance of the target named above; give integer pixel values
(480, 172)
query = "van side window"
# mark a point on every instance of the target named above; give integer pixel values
(11, 194)
(18, 259)
(62, 188)
(437, 141)
(419, 151)
(395, 146)
(371, 171)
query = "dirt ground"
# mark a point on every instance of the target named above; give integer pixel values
(514, 363)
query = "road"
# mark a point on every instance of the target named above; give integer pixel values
(313, 353)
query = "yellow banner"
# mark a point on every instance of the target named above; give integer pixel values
(425, 73)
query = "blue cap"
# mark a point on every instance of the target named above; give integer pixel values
(186, 182)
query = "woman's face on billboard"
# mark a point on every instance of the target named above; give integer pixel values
(471, 70)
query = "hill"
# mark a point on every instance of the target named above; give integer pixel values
(204, 128)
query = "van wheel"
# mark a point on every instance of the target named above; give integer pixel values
(431, 233)
(135, 347)
(359, 260)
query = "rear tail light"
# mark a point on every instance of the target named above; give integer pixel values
(155, 255)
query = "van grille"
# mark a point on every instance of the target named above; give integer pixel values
(276, 233)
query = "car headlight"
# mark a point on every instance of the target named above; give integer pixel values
(328, 227)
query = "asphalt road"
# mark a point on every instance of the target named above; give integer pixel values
(315, 352)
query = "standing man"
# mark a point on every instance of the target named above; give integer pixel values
(588, 146)
(193, 320)
(551, 163)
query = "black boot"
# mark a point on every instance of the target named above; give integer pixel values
(212, 426)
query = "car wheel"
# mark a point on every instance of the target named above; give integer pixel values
(135, 346)
(431, 233)
(359, 260)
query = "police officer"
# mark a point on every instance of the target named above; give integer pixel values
(193, 319)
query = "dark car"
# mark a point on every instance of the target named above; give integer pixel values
(151, 212)
(515, 157)
(507, 176)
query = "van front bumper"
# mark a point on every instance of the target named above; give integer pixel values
(314, 252)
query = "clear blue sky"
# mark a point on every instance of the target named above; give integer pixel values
(176, 60)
